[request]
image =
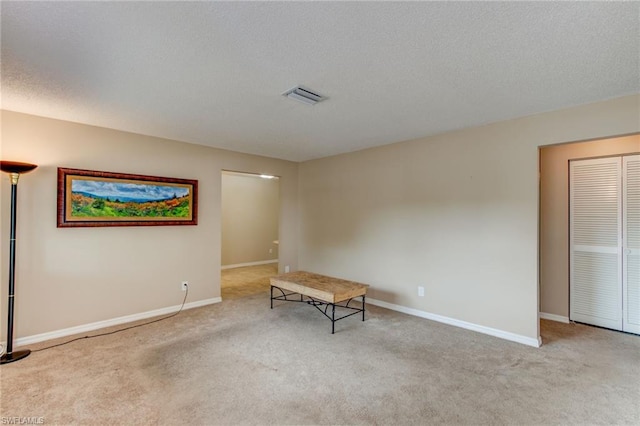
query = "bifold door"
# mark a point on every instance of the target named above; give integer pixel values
(631, 243)
(604, 242)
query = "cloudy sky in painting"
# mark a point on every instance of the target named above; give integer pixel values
(127, 191)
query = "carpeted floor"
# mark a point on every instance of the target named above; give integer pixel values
(238, 362)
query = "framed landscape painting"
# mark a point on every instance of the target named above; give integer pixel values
(92, 198)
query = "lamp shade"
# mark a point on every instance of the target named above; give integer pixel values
(16, 167)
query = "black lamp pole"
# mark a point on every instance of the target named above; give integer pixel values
(14, 169)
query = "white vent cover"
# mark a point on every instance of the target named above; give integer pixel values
(302, 94)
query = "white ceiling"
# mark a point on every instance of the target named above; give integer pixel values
(212, 73)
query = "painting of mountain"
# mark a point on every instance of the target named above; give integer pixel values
(93, 198)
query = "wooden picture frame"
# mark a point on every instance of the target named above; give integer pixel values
(94, 198)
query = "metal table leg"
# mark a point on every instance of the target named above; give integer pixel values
(333, 318)
(322, 306)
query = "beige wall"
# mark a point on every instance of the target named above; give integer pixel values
(456, 213)
(554, 214)
(250, 209)
(75, 276)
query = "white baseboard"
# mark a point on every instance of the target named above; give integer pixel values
(240, 265)
(554, 317)
(111, 322)
(458, 323)
(171, 309)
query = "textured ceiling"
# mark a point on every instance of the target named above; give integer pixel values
(212, 73)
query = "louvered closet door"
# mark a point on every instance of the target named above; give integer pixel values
(631, 243)
(595, 242)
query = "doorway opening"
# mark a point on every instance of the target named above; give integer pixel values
(554, 238)
(250, 212)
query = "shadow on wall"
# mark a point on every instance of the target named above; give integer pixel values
(378, 294)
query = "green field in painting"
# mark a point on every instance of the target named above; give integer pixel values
(85, 206)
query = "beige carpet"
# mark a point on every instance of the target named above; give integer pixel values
(238, 362)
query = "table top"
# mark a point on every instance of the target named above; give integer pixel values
(322, 287)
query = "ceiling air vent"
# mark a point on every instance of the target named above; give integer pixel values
(305, 95)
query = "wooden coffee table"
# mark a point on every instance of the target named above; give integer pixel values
(320, 291)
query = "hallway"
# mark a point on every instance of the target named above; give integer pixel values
(246, 281)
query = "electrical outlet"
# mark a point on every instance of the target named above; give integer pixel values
(286, 269)
(184, 285)
(421, 291)
(270, 251)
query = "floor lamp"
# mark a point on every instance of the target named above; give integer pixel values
(14, 169)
